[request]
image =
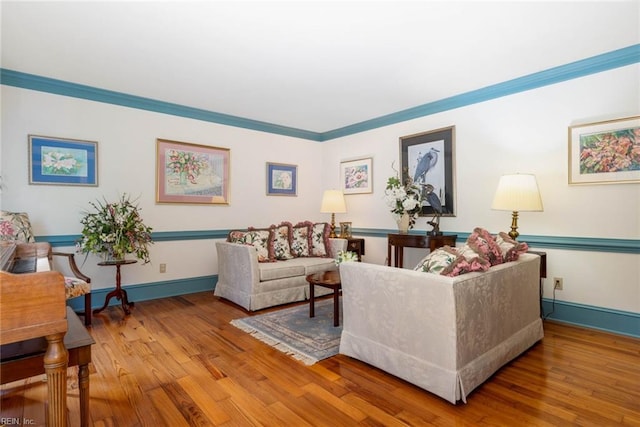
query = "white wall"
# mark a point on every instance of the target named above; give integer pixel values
(525, 132)
(127, 155)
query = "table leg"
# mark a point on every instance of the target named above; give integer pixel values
(336, 307)
(119, 293)
(55, 366)
(83, 384)
(312, 302)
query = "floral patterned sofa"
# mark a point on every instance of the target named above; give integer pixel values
(264, 267)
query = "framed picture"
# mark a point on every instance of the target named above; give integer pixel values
(357, 176)
(58, 161)
(428, 159)
(191, 173)
(345, 230)
(282, 180)
(605, 152)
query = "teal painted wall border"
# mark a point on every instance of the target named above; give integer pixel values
(596, 64)
(629, 246)
(616, 321)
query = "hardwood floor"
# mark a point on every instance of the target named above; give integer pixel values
(178, 362)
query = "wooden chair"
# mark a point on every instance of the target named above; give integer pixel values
(16, 226)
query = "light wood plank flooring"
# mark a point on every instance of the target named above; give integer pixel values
(178, 362)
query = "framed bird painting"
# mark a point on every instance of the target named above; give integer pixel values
(428, 159)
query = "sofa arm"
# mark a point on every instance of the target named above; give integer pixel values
(238, 273)
(337, 245)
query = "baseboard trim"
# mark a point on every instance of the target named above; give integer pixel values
(609, 320)
(614, 321)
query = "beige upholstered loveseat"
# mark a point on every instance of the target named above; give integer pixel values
(444, 334)
(280, 277)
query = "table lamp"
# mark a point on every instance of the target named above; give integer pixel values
(517, 193)
(333, 202)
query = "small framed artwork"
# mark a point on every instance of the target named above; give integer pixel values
(428, 159)
(191, 173)
(282, 180)
(345, 230)
(59, 161)
(357, 176)
(605, 152)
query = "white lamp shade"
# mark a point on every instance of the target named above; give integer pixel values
(518, 192)
(333, 202)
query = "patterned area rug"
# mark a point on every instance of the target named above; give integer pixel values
(292, 331)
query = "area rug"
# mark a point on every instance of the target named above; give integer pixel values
(293, 332)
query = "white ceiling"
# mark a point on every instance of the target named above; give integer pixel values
(316, 66)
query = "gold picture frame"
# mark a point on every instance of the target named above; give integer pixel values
(345, 230)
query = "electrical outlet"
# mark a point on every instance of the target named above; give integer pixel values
(557, 283)
(163, 268)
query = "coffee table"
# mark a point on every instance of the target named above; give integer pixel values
(25, 359)
(326, 279)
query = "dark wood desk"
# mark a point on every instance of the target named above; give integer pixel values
(327, 279)
(119, 293)
(401, 241)
(25, 359)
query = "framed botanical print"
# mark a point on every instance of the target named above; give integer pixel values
(62, 161)
(191, 173)
(357, 176)
(282, 179)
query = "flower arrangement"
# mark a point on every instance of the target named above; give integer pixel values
(114, 230)
(186, 164)
(403, 199)
(346, 256)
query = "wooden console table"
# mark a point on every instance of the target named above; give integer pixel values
(401, 241)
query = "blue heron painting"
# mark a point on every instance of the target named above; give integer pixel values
(425, 163)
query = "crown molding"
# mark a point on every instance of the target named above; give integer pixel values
(596, 64)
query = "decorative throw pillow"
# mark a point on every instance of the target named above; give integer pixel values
(482, 242)
(511, 249)
(320, 245)
(300, 240)
(15, 226)
(438, 261)
(281, 237)
(261, 239)
(474, 260)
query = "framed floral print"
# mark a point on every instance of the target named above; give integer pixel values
(191, 173)
(62, 161)
(282, 179)
(357, 176)
(606, 152)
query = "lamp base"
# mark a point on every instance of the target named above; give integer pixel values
(333, 234)
(514, 226)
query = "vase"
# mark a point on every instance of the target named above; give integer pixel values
(111, 256)
(183, 178)
(403, 223)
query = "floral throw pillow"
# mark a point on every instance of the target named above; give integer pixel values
(474, 260)
(281, 237)
(15, 226)
(438, 261)
(482, 242)
(300, 240)
(262, 240)
(320, 246)
(511, 249)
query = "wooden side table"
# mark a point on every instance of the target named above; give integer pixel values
(401, 241)
(119, 293)
(327, 279)
(356, 245)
